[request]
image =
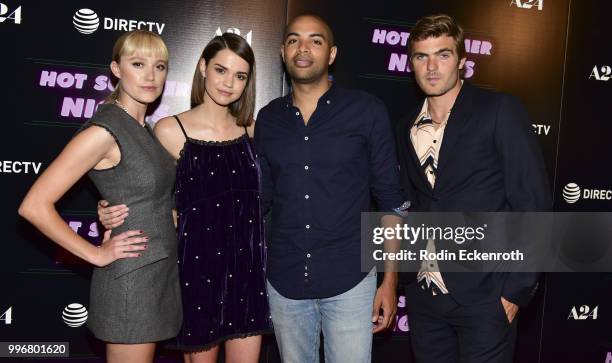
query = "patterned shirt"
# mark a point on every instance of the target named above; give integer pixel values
(427, 141)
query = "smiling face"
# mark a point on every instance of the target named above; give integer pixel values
(307, 50)
(142, 77)
(436, 65)
(226, 75)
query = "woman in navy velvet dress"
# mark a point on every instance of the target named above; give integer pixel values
(220, 227)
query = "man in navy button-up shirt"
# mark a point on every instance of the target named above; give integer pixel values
(323, 150)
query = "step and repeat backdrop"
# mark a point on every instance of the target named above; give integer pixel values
(554, 55)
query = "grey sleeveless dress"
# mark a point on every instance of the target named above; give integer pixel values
(137, 300)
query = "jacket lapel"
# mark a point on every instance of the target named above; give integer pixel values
(409, 148)
(459, 117)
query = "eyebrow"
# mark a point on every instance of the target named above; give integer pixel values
(141, 57)
(436, 52)
(225, 68)
(310, 35)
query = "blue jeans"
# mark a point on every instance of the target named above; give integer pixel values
(346, 320)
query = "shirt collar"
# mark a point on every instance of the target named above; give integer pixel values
(328, 97)
(424, 111)
(424, 115)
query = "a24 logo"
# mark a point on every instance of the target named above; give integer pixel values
(602, 73)
(7, 316)
(583, 312)
(528, 4)
(14, 15)
(248, 36)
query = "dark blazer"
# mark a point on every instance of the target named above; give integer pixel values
(489, 161)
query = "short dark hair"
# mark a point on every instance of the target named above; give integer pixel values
(433, 26)
(243, 108)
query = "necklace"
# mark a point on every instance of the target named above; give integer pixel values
(121, 106)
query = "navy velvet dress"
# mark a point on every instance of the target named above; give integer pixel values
(221, 245)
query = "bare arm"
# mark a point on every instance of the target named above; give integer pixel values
(171, 137)
(386, 296)
(90, 148)
(251, 130)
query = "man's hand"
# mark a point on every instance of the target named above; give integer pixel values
(385, 299)
(510, 309)
(386, 296)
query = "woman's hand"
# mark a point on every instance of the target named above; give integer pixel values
(113, 216)
(124, 245)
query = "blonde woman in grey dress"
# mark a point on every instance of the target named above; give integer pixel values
(135, 295)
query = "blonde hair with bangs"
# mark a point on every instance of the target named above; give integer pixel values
(143, 41)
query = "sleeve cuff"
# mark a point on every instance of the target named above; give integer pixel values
(402, 210)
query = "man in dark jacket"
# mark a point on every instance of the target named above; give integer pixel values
(465, 149)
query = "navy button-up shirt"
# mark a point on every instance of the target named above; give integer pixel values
(317, 179)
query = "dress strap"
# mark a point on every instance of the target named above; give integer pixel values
(251, 144)
(248, 137)
(181, 126)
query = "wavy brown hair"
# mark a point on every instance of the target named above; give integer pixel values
(434, 26)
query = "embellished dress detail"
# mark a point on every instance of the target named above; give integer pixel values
(221, 243)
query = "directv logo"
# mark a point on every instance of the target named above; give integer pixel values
(86, 21)
(74, 315)
(571, 193)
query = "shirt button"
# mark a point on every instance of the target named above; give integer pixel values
(328, 102)
(306, 274)
(306, 138)
(297, 113)
(308, 226)
(308, 255)
(305, 167)
(306, 281)
(306, 196)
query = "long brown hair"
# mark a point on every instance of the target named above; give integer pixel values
(244, 107)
